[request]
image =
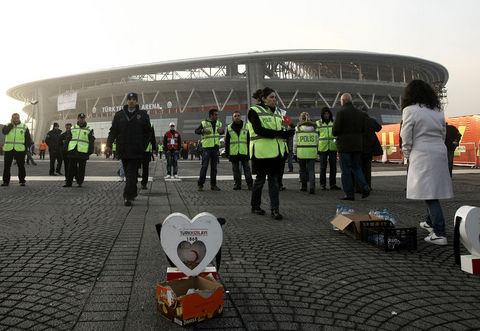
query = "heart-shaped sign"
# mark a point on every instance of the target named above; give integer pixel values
(191, 244)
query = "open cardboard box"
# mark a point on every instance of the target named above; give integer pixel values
(175, 273)
(191, 245)
(350, 223)
(190, 300)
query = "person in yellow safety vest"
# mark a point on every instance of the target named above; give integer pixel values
(81, 143)
(236, 149)
(17, 138)
(305, 146)
(211, 131)
(114, 150)
(267, 149)
(160, 150)
(327, 150)
(151, 148)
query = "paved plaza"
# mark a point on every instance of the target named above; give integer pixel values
(77, 258)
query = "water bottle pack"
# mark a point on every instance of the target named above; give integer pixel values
(384, 215)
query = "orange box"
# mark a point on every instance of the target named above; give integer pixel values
(173, 273)
(190, 300)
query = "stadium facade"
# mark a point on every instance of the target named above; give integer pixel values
(183, 90)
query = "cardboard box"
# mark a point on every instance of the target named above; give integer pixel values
(175, 273)
(350, 223)
(190, 300)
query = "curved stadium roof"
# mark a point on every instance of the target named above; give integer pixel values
(302, 78)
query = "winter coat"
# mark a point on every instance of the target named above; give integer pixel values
(53, 140)
(423, 136)
(453, 135)
(349, 127)
(307, 126)
(371, 145)
(131, 133)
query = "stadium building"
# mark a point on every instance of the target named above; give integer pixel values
(183, 91)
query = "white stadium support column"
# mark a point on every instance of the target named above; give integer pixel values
(324, 100)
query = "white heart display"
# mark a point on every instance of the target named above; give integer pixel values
(191, 244)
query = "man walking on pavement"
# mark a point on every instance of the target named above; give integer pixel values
(17, 138)
(151, 148)
(210, 129)
(171, 146)
(349, 127)
(54, 149)
(131, 130)
(237, 142)
(64, 148)
(327, 149)
(81, 143)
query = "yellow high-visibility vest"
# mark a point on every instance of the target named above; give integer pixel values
(79, 139)
(238, 143)
(15, 139)
(213, 138)
(266, 148)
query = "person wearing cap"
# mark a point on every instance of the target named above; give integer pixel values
(151, 148)
(64, 148)
(171, 146)
(54, 149)
(210, 129)
(131, 130)
(17, 138)
(80, 144)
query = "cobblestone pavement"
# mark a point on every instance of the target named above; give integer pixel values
(78, 259)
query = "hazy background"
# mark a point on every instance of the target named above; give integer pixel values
(49, 38)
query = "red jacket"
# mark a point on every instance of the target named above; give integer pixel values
(171, 140)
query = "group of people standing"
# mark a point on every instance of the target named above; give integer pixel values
(263, 140)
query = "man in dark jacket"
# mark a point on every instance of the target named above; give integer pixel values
(171, 146)
(131, 130)
(54, 149)
(371, 147)
(17, 139)
(64, 149)
(452, 140)
(80, 144)
(349, 127)
(237, 142)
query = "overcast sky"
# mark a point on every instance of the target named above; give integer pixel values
(49, 38)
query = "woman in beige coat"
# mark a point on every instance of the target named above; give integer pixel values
(423, 136)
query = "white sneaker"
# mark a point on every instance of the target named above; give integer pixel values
(168, 177)
(432, 238)
(424, 225)
(176, 176)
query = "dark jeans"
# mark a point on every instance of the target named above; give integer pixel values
(350, 163)
(281, 172)
(172, 162)
(20, 159)
(451, 155)
(307, 170)
(331, 157)
(209, 155)
(273, 187)
(290, 162)
(42, 155)
(237, 172)
(54, 155)
(366, 165)
(30, 158)
(435, 217)
(76, 168)
(130, 166)
(145, 165)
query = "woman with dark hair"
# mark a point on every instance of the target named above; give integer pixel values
(267, 149)
(423, 135)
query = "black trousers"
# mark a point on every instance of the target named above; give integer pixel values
(145, 164)
(130, 166)
(66, 164)
(8, 158)
(55, 155)
(76, 168)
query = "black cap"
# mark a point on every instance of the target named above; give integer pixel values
(68, 124)
(81, 115)
(55, 124)
(132, 95)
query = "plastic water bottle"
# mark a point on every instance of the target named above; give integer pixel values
(351, 210)
(371, 212)
(345, 210)
(392, 219)
(339, 210)
(385, 214)
(377, 212)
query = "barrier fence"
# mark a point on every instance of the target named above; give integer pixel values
(467, 154)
